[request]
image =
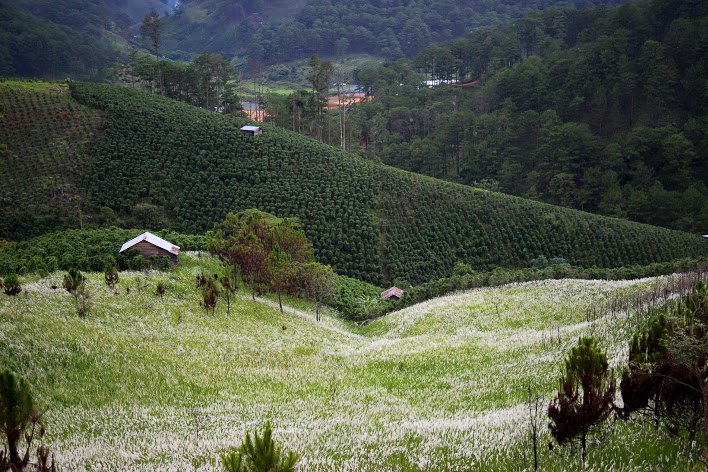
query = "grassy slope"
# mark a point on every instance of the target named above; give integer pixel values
(145, 384)
(366, 220)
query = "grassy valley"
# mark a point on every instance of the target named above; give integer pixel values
(150, 383)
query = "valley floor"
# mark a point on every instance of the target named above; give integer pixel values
(145, 383)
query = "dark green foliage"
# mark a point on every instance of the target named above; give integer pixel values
(356, 300)
(259, 454)
(602, 110)
(63, 51)
(110, 276)
(666, 378)
(334, 27)
(210, 294)
(20, 420)
(364, 220)
(585, 397)
(316, 282)
(86, 250)
(72, 280)
(11, 285)
(16, 411)
(264, 249)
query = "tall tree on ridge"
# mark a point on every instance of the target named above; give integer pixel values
(150, 29)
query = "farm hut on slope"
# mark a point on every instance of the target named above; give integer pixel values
(252, 130)
(153, 247)
(393, 293)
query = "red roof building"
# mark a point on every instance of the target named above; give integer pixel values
(393, 293)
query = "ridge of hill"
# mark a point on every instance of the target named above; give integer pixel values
(83, 39)
(438, 386)
(156, 163)
(273, 31)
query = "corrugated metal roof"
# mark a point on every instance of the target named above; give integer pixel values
(392, 292)
(154, 240)
(250, 128)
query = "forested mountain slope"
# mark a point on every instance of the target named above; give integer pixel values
(76, 38)
(273, 31)
(36, 47)
(603, 110)
(156, 163)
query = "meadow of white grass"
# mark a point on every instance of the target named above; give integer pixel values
(150, 384)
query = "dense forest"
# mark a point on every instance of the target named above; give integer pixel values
(142, 160)
(277, 31)
(34, 47)
(81, 39)
(601, 109)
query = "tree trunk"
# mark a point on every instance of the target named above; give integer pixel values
(583, 447)
(704, 396)
(253, 291)
(280, 301)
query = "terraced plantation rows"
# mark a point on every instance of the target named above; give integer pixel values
(45, 133)
(163, 163)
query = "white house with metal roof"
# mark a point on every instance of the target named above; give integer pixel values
(151, 246)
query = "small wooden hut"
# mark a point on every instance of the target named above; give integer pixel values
(152, 247)
(393, 293)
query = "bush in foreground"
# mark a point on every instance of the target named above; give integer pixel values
(260, 454)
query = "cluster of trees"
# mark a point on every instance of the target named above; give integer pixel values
(601, 110)
(88, 250)
(334, 27)
(666, 378)
(209, 81)
(269, 253)
(308, 111)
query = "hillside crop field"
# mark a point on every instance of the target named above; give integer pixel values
(142, 160)
(145, 383)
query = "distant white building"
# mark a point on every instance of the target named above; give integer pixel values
(252, 130)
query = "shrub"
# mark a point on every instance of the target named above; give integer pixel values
(260, 454)
(11, 285)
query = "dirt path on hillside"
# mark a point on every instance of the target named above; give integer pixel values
(323, 323)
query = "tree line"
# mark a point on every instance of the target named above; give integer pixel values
(601, 110)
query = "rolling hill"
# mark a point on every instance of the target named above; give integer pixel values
(145, 161)
(149, 383)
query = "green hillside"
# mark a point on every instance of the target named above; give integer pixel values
(150, 383)
(157, 163)
(602, 109)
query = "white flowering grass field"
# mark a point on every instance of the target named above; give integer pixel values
(150, 384)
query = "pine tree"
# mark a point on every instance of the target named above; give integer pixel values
(19, 419)
(260, 454)
(585, 396)
(11, 285)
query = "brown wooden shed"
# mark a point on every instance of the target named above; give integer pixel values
(149, 245)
